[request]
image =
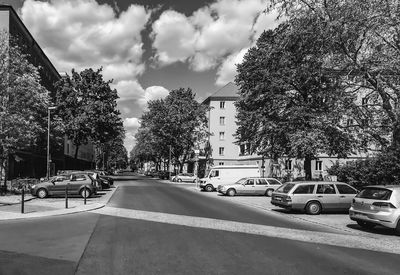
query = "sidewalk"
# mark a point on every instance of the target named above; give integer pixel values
(10, 205)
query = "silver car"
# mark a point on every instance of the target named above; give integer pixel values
(377, 205)
(185, 177)
(313, 197)
(250, 186)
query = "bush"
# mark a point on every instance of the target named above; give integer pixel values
(380, 170)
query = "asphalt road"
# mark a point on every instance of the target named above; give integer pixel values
(150, 227)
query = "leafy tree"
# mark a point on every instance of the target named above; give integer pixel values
(22, 101)
(88, 108)
(365, 51)
(290, 104)
(178, 121)
(115, 154)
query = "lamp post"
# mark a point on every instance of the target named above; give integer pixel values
(196, 167)
(48, 140)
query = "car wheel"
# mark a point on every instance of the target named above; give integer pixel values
(313, 208)
(209, 188)
(41, 193)
(85, 193)
(397, 229)
(268, 193)
(179, 180)
(194, 181)
(231, 192)
(173, 180)
(366, 225)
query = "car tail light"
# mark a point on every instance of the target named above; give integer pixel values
(384, 204)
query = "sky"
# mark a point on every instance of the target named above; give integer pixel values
(148, 47)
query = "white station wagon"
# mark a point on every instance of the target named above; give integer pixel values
(250, 186)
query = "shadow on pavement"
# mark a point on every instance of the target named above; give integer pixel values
(376, 230)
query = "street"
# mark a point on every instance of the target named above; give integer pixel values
(151, 227)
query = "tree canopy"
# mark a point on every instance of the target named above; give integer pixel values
(88, 108)
(23, 100)
(178, 121)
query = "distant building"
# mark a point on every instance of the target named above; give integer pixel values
(225, 151)
(222, 126)
(31, 162)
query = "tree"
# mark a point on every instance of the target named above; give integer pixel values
(290, 104)
(88, 108)
(22, 101)
(178, 121)
(365, 51)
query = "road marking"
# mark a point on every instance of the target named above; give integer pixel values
(360, 242)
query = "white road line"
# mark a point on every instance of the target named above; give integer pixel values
(360, 242)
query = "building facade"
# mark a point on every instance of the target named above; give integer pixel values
(32, 162)
(225, 151)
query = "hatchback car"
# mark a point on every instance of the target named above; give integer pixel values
(76, 184)
(185, 177)
(377, 205)
(314, 197)
(250, 186)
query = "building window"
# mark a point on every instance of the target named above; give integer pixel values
(318, 165)
(221, 135)
(222, 120)
(221, 151)
(67, 148)
(288, 164)
(221, 163)
(222, 104)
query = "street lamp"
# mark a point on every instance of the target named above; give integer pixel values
(196, 167)
(48, 140)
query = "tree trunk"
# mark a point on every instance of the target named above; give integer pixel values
(307, 167)
(396, 136)
(76, 151)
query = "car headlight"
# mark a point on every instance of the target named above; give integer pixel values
(33, 186)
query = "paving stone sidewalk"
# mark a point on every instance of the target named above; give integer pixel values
(10, 205)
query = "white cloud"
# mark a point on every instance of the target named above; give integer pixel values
(131, 123)
(213, 36)
(227, 71)
(74, 36)
(174, 37)
(153, 93)
(128, 89)
(130, 140)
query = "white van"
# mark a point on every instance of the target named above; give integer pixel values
(227, 174)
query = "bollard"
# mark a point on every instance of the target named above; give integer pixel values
(84, 197)
(66, 196)
(22, 201)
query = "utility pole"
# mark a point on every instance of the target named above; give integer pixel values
(169, 164)
(48, 141)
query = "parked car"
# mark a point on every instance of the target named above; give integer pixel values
(377, 205)
(107, 181)
(314, 197)
(227, 174)
(185, 177)
(78, 184)
(150, 173)
(250, 186)
(163, 174)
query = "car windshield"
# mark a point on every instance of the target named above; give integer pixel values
(375, 194)
(285, 188)
(241, 181)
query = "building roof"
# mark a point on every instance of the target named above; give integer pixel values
(228, 92)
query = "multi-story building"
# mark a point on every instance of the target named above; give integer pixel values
(31, 162)
(225, 150)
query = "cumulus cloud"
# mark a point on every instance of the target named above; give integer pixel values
(214, 36)
(131, 123)
(153, 93)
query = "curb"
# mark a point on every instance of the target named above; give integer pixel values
(14, 203)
